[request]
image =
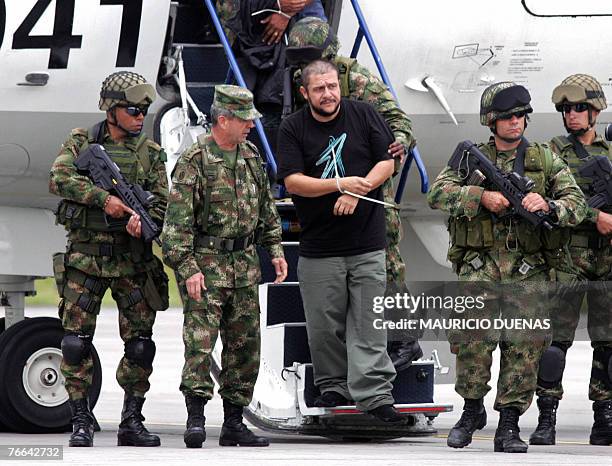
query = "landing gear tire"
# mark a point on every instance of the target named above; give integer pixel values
(32, 394)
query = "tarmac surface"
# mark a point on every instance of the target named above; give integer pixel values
(165, 414)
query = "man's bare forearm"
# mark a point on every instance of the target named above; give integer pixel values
(380, 173)
(307, 186)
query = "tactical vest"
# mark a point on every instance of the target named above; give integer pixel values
(74, 215)
(568, 153)
(210, 177)
(476, 235)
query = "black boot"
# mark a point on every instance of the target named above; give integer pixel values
(601, 433)
(82, 423)
(195, 435)
(474, 417)
(234, 432)
(545, 432)
(507, 437)
(402, 353)
(132, 431)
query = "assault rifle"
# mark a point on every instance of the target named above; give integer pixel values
(599, 169)
(98, 166)
(476, 167)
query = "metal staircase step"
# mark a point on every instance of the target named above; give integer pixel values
(204, 63)
(284, 304)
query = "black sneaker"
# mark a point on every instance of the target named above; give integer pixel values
(387, 413)
(330, 399)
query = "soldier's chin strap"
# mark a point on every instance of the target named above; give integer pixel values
(131, 134)
(581, 131)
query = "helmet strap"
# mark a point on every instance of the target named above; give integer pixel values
(581, 131)
(131, 134)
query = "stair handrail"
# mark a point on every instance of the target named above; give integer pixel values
(271, 162)
(414, 153)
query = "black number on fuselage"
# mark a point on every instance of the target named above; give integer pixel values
(2, 21)
(62, 39)
(130, 29)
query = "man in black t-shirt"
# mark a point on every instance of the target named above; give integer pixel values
(333, 158)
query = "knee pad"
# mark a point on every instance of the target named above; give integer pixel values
(140, 351)
(552, 365)
(75, 348)
(604, 357)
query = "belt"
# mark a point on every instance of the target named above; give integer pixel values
(225, 244)
(100, 249)
(588, 240)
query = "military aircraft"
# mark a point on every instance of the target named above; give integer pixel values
(439, 56)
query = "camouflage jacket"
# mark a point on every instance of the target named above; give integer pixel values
(564, 148)
(66, 182)
(450, 194)
(238, 207)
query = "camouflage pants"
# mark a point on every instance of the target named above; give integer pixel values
(595, 266)
(134, 321)
(520, 349)
(234, 313)
(396, 269)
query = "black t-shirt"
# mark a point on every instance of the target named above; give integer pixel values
(360, 138)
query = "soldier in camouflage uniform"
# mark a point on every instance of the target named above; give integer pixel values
(359, 83)
(508, 252)
(99, 256)
(580, 98)
(220, 206)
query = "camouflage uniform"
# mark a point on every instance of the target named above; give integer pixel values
(102, 254)
(240, 205)
(501, 264)
(592, 264)
(591, 255)
(504, 260)
(359, 83)
(127, 267)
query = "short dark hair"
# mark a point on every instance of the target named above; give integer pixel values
(318, 67)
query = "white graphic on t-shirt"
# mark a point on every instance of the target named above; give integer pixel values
(335, 147)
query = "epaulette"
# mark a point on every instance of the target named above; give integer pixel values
(191, 152)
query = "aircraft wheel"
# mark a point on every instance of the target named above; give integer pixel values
(32, 394)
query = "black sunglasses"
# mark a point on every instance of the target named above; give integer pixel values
(508, 116)
(578, 108)
(134, 111)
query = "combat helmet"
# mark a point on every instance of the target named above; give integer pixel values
(311, 39)
(502, 99)
(576, 89)
(125, 88)
(579, 88)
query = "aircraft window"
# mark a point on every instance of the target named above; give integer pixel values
(548, 8)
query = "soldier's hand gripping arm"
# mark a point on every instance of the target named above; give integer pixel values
(369, 88)
(66, 182)
(180, 224)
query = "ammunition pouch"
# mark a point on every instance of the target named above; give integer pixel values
(74, 215)
(528, 237)
(469, 236)
(588, 240)
(59, 272)
(155, 289)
